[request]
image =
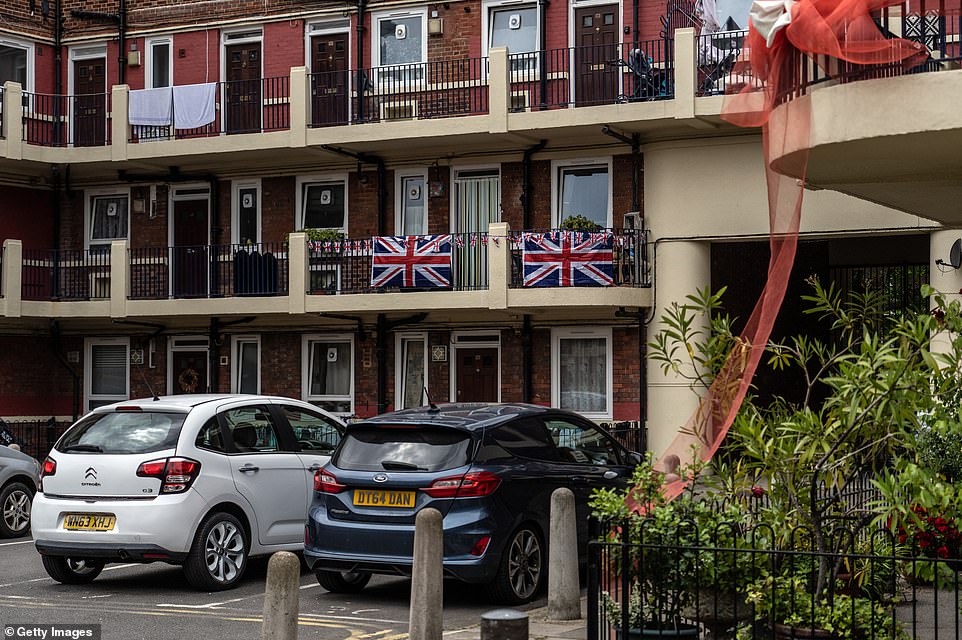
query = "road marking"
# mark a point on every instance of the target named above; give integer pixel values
(211, 605)
(333, 617)
(354, 613)
(376, 633)
(10, 544)
(121, 566)
(308, 586)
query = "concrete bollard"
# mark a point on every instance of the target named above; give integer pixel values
(504, 624)
(427, 576)
(564, 591)
(281, 599)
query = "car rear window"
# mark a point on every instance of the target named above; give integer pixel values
(403, 449)
(124, 432)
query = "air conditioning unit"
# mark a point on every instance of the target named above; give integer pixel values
(399, 110)
(633, 220)
(519, 101)
(99, 285)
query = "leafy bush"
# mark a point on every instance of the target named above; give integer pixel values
(579, 223)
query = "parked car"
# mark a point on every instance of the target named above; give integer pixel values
(489, 469)
(204, 481)
(19, 477)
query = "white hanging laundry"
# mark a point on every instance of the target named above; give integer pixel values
(150, 107)
(194, 105)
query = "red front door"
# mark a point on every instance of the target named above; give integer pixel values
(190, 248)
(243, 88)
(330, 80)
(477, 371)
(596, 55)
(90, 103)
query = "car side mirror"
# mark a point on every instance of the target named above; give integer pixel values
(634, 458)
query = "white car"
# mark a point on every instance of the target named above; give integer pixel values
(205, 481)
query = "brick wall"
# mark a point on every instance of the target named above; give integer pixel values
(32, 380)
(27, 216)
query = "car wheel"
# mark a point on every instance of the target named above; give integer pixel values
(218, 557)
(337, 582)
(522, 569)
(72, 570)
(15, 501)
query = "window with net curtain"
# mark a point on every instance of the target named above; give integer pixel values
(583, 374)
(330, 375)
(108, 374)
(108, 218)
(400, 41)
(515, 28)
(412, 375)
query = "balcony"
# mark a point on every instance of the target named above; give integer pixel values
(300, 276)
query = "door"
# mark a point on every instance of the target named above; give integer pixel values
(243, 88)
(188, 371)
(315, 437)
(477, 375)
(90, 103)
(330, 79)
(268, 474)
(477, 204)
(596, 55)
(190, 248)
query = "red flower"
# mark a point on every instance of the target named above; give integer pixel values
(942, 552)
(938, 314)
(757, 491)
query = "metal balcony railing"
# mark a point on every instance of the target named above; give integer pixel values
(630, 263)
(719, 69)
(241, 106)
(66, 121)
(209, 271)
(66, 274)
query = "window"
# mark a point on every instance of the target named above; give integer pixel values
(108, 216)
(158, 63)
(106, 371)
(210, 437)
(329, 378)
(16, 63)
(412, 204)
(401, 41)
(312, 431)
(126, 432)
(526, 438)
(581, 371)
(246, 370)
(245, 213)
(582, 444)
(583, 190)
(251, 429)
(412, 371)
(514, 27)
(322, 204)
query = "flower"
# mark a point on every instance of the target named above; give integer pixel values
(757, 491)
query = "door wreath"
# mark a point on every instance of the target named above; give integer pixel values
(188, 380)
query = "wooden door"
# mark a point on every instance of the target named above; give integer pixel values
(477, 372)
(188, 372)
(596, 55)
(90, 103)
(330, 79)
(190, 248)
(243, 88)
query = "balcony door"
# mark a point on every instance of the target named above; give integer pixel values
(90, 104)
(190, 238)
(477, 203)
(330, 79)
(596, 54)
(243, 89)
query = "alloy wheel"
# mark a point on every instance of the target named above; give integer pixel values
(224, 552)
(16, 511)
(524, 564)
(81, 567)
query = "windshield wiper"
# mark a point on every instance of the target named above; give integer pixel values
(397, 465)
(92, 448)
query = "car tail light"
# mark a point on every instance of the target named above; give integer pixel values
(480, 546)
(325, 482)
(470, 485)
(175, 474)
(126, 409)
(48, 468)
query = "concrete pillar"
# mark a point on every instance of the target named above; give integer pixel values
(686, 72)
(564, 590)
(298, 267)
(13, 119)
(504, 624)
(282, 597)
(119, 278)
(499, 89)
(427, 618)
(300, 106)
(12, 274)
(682, 267)
(943, 278)
(119, 121)
(499, 265)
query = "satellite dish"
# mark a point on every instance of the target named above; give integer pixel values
(955, 254)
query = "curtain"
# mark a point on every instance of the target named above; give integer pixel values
(583, 373)
(331, 369)
(478, 202)
(412, 355)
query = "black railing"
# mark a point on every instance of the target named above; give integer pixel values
(240, 106)
(630, 264)
(344, 266)
(632, 434)
(64, 121)
(36, 437)
(441, 89)
(2, 133)
(719, 69)
(67, 274)
(897, 287)
(586, 76)
(208, 271)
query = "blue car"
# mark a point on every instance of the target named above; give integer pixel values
(489, 469)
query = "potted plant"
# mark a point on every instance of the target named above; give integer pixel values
(580, 223)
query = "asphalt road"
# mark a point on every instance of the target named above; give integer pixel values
(154, 601)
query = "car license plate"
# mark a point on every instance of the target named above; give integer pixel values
(378, 498)
(89, 521)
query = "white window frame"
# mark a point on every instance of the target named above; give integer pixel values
(399, 198)
(399, 370)
(89, 196)
(235, 361)
(240, 35)
(28, 47)
(328, 27)
(488, 6)
(562, 333)
(482, 339)
(330, 178)
(306, 341)
(149, 60)
(376, 38)
(236, 187)
(558, 165)
(89, 344)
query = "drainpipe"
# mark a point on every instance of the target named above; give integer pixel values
(120, 19)
(526, 359)
(359, 80)
(543, 16)
(635, 141)
(58, 353)
(634, 26)
(213, 360)
(526, 181)
(378, 161)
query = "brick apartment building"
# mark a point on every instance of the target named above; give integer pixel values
(155, 240)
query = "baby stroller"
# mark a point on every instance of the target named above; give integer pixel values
(645, 84)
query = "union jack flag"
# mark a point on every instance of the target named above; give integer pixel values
(411, 261)
(568, 259)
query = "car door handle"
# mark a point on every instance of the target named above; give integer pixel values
(610, 475)
(248, 468)
(314, 467)
(579, 479)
